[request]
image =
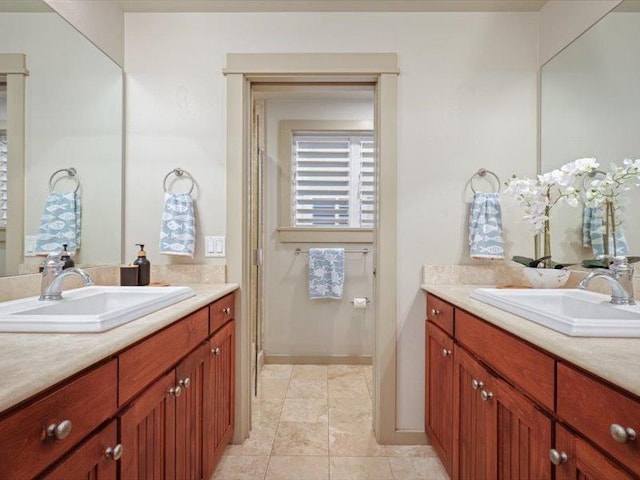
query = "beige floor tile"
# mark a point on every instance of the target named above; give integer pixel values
(298, 468)
(340, 371)
(260, 442)
(296, 438)
(417, 468)
(362, 468)
(410, 451)
(241, 468)
(353, 440)
(304, 388)
(272, 388)
(308, 410)
(348, 387)
(276, 371)
(310, 372)
(350, 410)
(266, 412)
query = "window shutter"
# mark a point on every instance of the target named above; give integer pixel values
(332, 177)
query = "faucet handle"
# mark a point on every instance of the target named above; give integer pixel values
(53, 260)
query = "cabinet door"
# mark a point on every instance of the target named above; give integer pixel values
(520, 434)
(579, 460)
(471, 419)
(439, 392)
(92, 460)
(219, 399)
(191, 375)
(148, 433)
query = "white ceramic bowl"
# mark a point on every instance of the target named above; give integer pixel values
(546, 277)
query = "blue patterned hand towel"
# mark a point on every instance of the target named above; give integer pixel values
(593, 233)
(485, 227)
(60, 223)
(326, 273)
(178, 228)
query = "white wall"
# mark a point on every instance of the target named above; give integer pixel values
(467, 99)
(73, 119)
(561, 22)
(294, 324)
(101, 21)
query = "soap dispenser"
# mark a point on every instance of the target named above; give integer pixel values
(66, 258)
(144, 266)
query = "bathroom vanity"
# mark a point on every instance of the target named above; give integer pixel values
(507, 398)
(151, 399)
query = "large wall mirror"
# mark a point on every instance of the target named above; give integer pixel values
(590, 104)
(73, 97)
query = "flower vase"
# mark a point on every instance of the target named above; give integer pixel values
(546, 277)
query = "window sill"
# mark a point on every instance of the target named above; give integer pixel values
(325, 235)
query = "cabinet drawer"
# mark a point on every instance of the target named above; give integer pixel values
(527, 368)
(145, 362)
(221, 312)
(591, 407)
(25, 446)
(440, 313)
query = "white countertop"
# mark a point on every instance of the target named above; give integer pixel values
(33, 362)
(616, 360)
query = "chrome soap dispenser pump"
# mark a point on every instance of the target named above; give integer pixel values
(144, 266)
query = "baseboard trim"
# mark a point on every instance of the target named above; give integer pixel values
(318, 359)
(410, 437)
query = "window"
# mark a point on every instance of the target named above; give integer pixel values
(332, 179)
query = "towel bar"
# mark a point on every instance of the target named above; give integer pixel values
(363, 251)
(71, 172)
(178, 172)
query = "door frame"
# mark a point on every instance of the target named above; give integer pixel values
(381, 69)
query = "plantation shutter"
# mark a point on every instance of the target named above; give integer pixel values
(332, 176)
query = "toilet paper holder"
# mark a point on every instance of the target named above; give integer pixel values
(366, 299)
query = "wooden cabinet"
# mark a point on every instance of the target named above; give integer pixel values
(163, 409)
(576, 459)
(219, 400)
(439, 393)
(95, 459)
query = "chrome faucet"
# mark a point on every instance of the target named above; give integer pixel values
(620, 279)
(53, 275)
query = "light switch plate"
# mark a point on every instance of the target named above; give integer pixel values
(30, 245)
(214, 246)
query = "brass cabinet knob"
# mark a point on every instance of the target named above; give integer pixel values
(557, 458)
(185, 383)
(61, 430)
(176, 391)
(622, 434)
(476, 384)
(435, 312)
(216, 351)
(486, 396)
(114, 453)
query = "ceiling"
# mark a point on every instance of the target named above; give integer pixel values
(331, 5)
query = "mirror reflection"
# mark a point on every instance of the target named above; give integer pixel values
(73, 109)
(590, 101)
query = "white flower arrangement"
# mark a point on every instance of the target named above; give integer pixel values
(539, 195)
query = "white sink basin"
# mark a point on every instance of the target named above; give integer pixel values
(89, 309)
(574, 312)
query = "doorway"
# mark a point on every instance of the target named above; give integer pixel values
(242, 71)
(312, 186)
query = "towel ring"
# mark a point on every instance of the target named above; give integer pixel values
(483, 173)
(71, 172)
(178, 172)
(590, 175)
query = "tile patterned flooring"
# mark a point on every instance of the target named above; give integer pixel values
(313, 422)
